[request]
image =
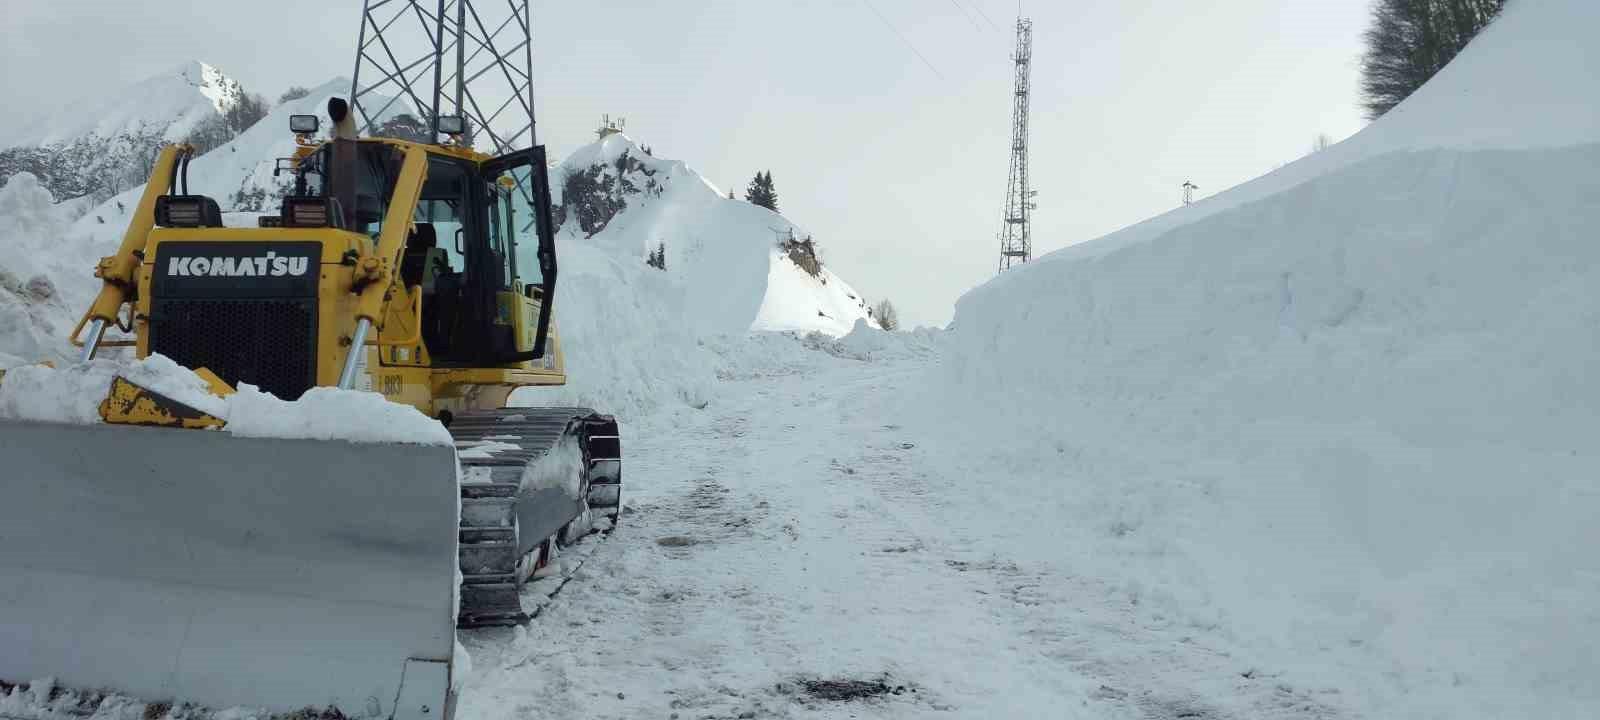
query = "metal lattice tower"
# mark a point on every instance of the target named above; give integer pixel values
(448, 57)
(1016, 239)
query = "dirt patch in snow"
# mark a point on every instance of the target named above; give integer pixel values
(850, 689)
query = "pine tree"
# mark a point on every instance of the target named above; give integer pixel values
(1411, 40)
(246, 112)
(658, 257)
(761, 192)
(295, 92)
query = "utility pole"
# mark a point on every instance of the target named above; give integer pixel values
(448, 58)
(1016, 240)
(1188, 192)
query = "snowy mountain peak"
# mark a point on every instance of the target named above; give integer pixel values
(170, 103)
(211, 83)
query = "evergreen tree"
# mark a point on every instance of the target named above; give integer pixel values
(1409, 41)
(247, 111)
(295, 92)
(761, 192)
(658, 257)
(405, 126)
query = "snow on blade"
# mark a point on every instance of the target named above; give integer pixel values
(72, 394)
(327, 413)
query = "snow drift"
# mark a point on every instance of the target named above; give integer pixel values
(46, 272)
(1343, 411)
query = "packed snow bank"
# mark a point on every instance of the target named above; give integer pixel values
(867, 342)
(623, 337)
(1348, 420)
(72, 394)
(46, 272)
(772, 354)
(798, 301)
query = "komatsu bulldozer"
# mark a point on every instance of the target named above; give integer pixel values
(154, 556)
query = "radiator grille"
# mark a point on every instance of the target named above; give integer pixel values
(269, 343)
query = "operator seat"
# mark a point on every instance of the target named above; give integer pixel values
(423, 260)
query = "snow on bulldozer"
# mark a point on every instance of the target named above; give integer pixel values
(300, 476)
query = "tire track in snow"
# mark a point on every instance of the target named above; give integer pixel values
(793, 531)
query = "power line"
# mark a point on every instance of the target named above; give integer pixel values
(903, 38)
(985, 15)
(967, 15)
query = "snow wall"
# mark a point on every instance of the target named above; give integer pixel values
(1345, 410)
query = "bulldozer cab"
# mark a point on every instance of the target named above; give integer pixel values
(479, 248)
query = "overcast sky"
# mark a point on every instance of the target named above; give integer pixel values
(898, 168)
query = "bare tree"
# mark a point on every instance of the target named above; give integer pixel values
(888, 319)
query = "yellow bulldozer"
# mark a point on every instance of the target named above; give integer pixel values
(152, 556)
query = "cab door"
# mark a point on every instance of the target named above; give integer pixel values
(523, 237)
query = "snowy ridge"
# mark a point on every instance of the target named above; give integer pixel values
(174, 101)
(100, 146)
(1341, 412)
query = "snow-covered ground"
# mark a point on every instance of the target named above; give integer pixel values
(812, 524)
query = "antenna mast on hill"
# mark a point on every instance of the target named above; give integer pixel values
(608, 127)
(448, 58)
(1016, 240)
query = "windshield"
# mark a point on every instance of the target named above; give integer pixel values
(363, 182)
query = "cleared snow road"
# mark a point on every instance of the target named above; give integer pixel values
(796, 531)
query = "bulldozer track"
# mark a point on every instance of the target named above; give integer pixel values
(514, 513)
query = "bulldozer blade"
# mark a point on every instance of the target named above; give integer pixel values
(196, 566)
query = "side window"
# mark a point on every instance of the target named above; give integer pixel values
(520, 219)
(501, 234)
